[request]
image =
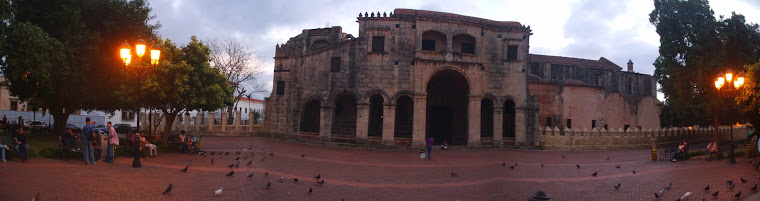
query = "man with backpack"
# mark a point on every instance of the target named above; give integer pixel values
(88, 134)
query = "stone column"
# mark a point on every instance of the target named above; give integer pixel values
(198, 120)
(389, 123)
(521, 125)
(420, 120)
(251, 117)
(362, 122)
(223, 121)
(238, 114)
(325, 130)
(210, 121)
(473, 118)
(498, 119)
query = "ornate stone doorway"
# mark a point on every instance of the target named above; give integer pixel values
(447, 92)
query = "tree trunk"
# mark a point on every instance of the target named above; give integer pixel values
(167, 126)
(60, 117)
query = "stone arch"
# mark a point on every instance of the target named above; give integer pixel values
(458, 70)
(334, 95)
(508, 118)
(344, 115)
(400, 93)
(448, 93)
(463, 43)
(486, 117)
(404, 117)
(376, 91)
(375, 127)
(493, 98)
(319, 44)
(509, 97)
(310, 115)
(434, 40)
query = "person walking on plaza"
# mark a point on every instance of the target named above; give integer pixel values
(430, 141)
(88, 133)
(3, 148)
(151, 147)
(20, 139)
(113, 140)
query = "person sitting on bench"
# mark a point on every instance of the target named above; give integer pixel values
(712, 148)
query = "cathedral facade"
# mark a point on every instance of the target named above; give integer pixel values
(414, 74)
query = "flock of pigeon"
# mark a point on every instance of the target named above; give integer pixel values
(242, 155)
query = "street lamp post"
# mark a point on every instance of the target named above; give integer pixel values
(738, 81)
(126, 55)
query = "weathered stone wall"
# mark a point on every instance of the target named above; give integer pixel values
(584, 139)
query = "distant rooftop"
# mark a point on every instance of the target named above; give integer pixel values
(601, 63)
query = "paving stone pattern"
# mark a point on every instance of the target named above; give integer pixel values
(361, 174)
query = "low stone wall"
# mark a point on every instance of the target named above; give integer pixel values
(256, 130)
(575, 139)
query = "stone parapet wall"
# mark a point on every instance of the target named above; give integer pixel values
(584, 139)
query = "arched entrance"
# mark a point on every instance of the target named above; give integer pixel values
(447, 92)
(310, 117)
(376, 115)
(344, 119)
(508, 124)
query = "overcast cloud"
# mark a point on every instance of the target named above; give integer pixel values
(590, 29)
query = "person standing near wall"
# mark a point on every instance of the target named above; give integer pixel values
(87, 137)
(113, 140)
(430, 141)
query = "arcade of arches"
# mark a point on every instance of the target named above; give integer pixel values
(448, 105)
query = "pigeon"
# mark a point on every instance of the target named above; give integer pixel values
(237, 164)
(512, 167)
(634, 171)
(250, 162)
(743, 180)
(503, 164)
(321, 182)
(685, 195)
(212, 161)
(245, 157)
(453, 174)
(617, 186)
(578, 166)
(238, 158)
(230, 166)
(319, 176)
(302, 155)
(515, 164)
(212, 153)
(731, 186)
(715, 194)
(282, 178)
(217, 192)
(184, 170)
(661, 191)
(707, 188)
(237, 152)
(738, 194)
(230, 174)
(670, 185)
(656, 195)
(730, 181)
(310, 190)
(618, 167)
(271, 154)
(220, 153)
(36, 197)
(754, 188)
(168, 190)
(266, 174)
(608, 158)
(190, 163)
(594, 174)
(269, 184)
(563, 156)
(250, 175)
(228, 153)
(542, 165)
(295, 180)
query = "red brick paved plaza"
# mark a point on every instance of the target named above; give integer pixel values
(361, 174)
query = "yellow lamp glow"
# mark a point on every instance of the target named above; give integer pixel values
(140, 48)
(739, 82)
(722, 80)
(125, 53)
(729, 75)
(718, 84)
(155, 54)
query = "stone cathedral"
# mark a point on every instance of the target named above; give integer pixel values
(413, 74)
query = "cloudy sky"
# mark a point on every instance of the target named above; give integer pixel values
(616, 30)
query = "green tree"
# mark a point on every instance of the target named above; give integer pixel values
(62, 55)
(183, 81)
(694, 49)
